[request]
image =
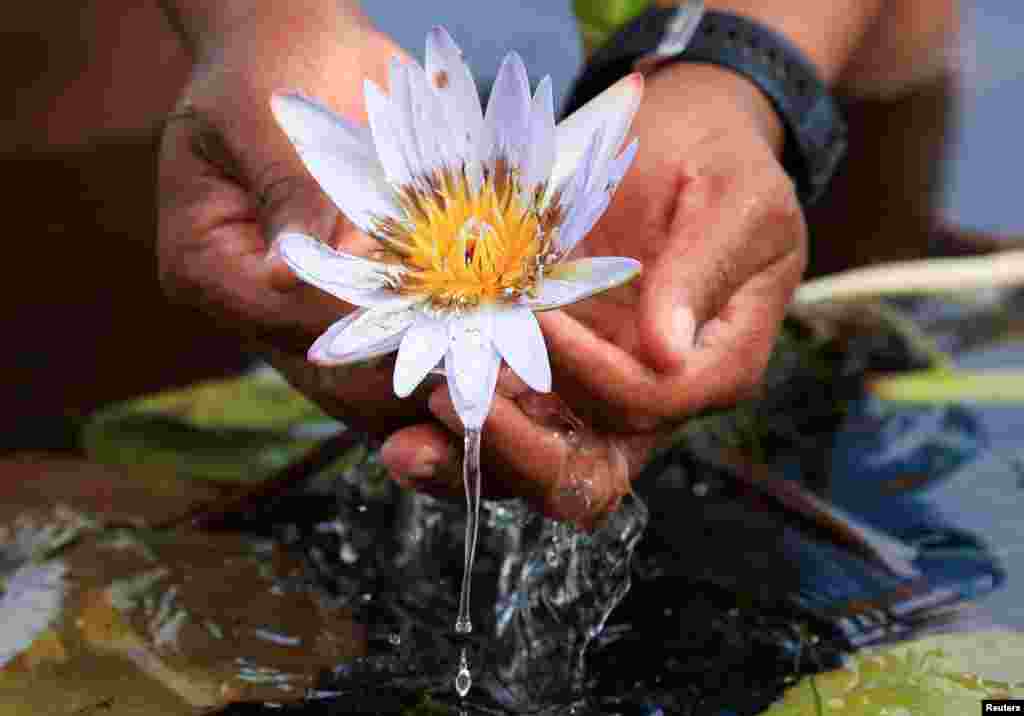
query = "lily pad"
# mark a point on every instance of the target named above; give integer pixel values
(236, 430)
(946, 675)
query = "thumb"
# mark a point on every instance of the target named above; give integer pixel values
(290, 200)
(295, 203)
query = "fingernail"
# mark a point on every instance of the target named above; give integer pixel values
(390, 453)
(281, 277)
(424, 463)
(274, 251)
(422, 470)
(684, 329)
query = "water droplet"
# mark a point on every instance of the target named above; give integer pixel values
(395, 639)
(463, 679)
(348, 553)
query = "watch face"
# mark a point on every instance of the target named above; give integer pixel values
(679, 30)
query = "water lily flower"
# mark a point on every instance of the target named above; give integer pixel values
(474, 213)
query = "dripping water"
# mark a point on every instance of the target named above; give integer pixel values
(463, 679)
(471, 480)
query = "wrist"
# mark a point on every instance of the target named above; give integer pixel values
(718, 98)
(207, 29)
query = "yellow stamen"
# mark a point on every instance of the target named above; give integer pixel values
(462, 247)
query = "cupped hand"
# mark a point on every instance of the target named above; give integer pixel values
(714, 219)
(230, 181)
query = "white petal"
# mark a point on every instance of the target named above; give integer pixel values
(423, 347)
(364, 334)
(317, 352)
(453, 82)
(436, 142)
(471, 364)
(581, 220)
(613, 109)
(518, 339)
(620, 165)
(573, 281)
(339, 154)
(386, 136)
(575, 190)
(576, 199)
(359, 281)
(540, 147)
(508, 112)
(403, 117)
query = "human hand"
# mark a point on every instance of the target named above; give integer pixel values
(715, 221)
(230, 182)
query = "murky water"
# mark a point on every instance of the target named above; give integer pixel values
(126, 620)
(744, 556)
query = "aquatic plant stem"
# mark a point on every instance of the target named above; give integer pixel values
(924, 276)
(471, 481)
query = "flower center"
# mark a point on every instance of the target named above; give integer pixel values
(462, 247)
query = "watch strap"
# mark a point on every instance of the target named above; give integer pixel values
(815, 131)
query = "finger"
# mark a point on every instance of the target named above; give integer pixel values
(605, 381)
(569, 473)
(213, 245)
(427, 457)
(724, 366)
(736, 227)
(425, 453)
(428, 453)
(733, 349)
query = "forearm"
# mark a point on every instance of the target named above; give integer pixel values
(862, 47)
(898, 95)
(828, 32)
(202, 24)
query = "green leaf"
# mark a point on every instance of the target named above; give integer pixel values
(257, 401)
(942, 386)
(945, 675)
(599, 19)
(237, 430)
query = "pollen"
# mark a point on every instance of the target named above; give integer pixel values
(462, 247)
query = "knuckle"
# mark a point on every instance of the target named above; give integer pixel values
(179, 279)
(289, 198)
(644, 422)
(773, 194)
(278, 188)
(750, 377)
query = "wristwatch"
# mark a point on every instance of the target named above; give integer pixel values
(815, 131)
